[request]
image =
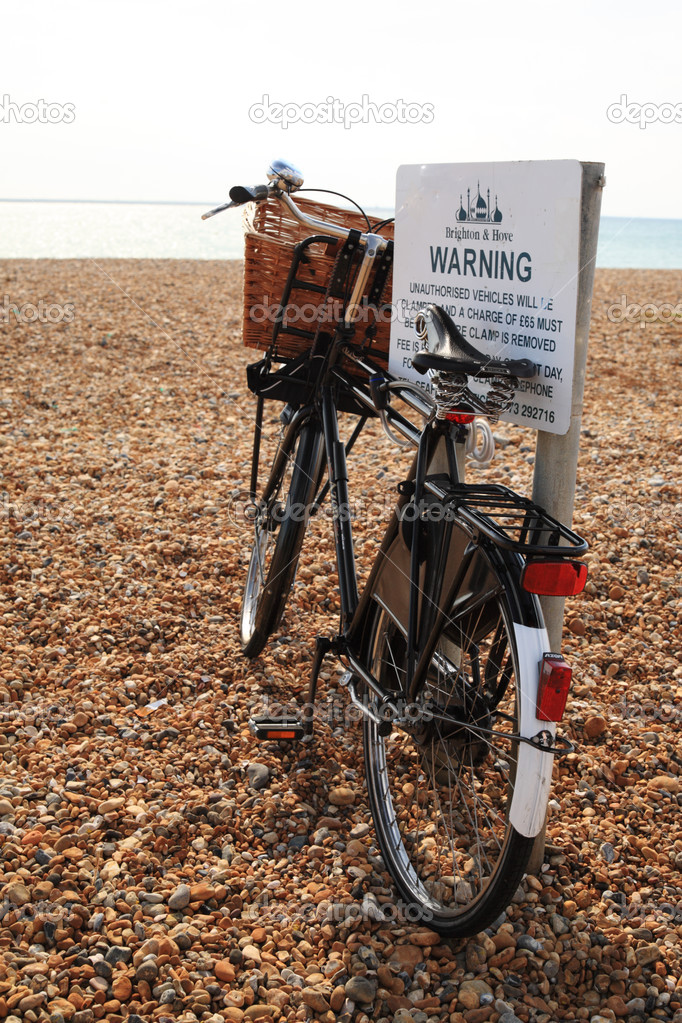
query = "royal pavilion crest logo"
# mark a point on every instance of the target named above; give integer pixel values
(478, 210)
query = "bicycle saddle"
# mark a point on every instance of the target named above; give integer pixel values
(447, 351)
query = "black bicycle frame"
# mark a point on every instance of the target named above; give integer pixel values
(436, 453)
(426, 548)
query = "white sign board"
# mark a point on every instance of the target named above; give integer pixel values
(496, 245)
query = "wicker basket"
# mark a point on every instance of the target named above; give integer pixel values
(269, 250)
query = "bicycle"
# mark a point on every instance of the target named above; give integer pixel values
(444, 652)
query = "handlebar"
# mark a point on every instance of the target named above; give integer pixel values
(322, 225)
(277, 189)
(240, 194)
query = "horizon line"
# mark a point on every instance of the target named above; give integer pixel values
(127, 202)
(197, 202)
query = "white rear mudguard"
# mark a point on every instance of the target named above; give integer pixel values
(534, 769)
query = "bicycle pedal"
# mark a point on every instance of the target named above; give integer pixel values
(277, 728)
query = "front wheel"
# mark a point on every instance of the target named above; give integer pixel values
(441, 783)
(279, 519)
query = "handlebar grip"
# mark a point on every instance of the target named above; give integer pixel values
(240, 194)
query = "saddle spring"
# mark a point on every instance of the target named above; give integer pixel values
(452, 393)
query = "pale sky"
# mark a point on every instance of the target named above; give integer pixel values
(157, 95)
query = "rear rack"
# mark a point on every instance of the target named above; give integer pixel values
(512, 522)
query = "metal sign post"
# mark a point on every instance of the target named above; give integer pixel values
(556, 456)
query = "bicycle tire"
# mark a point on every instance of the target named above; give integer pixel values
(280, 522)
(439, 793)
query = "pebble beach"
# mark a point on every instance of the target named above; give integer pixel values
(156, 862)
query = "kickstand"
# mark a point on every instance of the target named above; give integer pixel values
(323, 646)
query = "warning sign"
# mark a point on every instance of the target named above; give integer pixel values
(496, 245)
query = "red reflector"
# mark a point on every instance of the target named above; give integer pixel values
(555, 681)
(281, 734)
(554, 577)
(459, 417)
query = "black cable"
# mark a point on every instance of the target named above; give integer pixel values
(383, 223)
(389, 220)
(328, 191)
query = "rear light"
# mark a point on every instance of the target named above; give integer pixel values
(459, 417)
(554, 577)
(555, 681)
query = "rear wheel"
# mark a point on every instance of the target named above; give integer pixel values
(440, 784)
(279, 518)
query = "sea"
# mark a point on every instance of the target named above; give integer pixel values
(66, 230)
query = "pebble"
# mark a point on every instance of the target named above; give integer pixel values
(116, 954)
(647, 954)
(315, 999)
(559, 924)
(530, 944)
(122, 988)
(147, 970)
(341, 795)
(134, 800)
(18, 894)
(258, 775)
(251, 952)
(337, 998)
(607, 851)
(111, 805)
(471, 991)
(180, 898)
(595, 726)
(360, 990)
(224, 970)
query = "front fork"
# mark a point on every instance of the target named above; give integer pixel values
(343, 528)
